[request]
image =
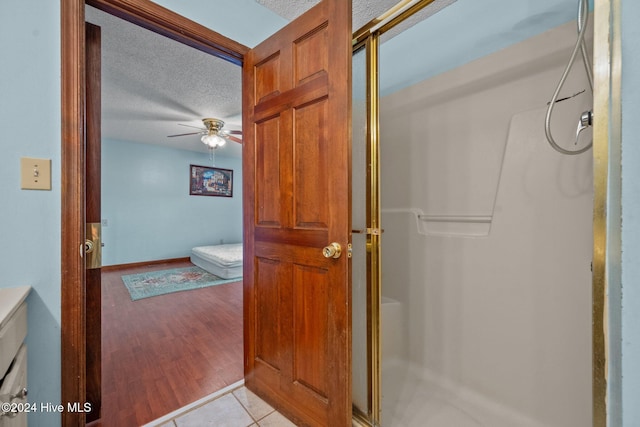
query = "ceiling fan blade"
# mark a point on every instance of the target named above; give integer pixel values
(195, 127)
(233, 138)
(184, 134)
(233, 132)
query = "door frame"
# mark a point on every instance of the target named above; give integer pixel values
(606, 277)
(73, 297)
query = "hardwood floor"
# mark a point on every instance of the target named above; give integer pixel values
(164, 352)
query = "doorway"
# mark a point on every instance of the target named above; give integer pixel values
(164, 352)
(73, 298)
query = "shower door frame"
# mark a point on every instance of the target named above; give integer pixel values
(373, 235)
(368, 38)
(606, 281)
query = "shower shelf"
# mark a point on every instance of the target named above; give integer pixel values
(446, 225)
(456, 218)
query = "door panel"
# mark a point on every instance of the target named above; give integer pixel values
(269, 276)
(296, 162)
(307, 64)
(311, 164)
(310, 334)
(268, 184)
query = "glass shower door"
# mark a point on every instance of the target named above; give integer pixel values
(361, 371)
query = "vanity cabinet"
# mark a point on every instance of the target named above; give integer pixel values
(13, 355)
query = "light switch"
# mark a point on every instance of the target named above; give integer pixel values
(35, 174)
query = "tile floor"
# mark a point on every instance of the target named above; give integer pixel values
(235, 406)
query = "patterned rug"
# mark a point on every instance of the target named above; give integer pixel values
(153, 283)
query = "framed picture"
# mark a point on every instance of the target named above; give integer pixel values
(210, 181)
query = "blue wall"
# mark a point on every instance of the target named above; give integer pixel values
(30, 220)
(149, 212)
(630, 213)
(472, 29)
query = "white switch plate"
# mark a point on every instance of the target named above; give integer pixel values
(35, 174)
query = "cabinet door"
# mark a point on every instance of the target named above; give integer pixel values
(14, 384)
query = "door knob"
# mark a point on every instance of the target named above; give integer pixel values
(19, 395)
(334, 250)
(88, 246)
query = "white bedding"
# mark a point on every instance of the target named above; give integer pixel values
(225, 255)
(222, 260)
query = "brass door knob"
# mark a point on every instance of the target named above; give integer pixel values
(334, 250)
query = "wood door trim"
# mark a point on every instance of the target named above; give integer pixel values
(167, 23)
(73, 333)
(73, 316)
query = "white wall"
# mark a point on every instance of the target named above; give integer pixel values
(503, 308)
(149, 212)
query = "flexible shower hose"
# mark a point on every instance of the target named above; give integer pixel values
(583, 16)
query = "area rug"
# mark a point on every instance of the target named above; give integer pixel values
(153, 283)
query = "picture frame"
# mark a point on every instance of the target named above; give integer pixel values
(210, 181)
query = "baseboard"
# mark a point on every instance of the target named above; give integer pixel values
(144, 264)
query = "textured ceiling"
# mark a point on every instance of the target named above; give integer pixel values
(152, 85)
(288, 9)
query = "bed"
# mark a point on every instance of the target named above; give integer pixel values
(222, 260)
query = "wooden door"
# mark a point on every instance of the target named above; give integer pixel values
(93, 293)
(296, 166)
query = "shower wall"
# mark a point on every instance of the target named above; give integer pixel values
(487, 244)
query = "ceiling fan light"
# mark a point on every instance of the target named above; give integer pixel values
(213, 140)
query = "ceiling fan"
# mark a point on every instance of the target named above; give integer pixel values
(213, 135)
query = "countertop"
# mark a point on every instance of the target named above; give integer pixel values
(10, 300)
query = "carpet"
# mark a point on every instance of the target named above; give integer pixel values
(153, 283)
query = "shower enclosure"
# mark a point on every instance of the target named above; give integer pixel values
(472, 236)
